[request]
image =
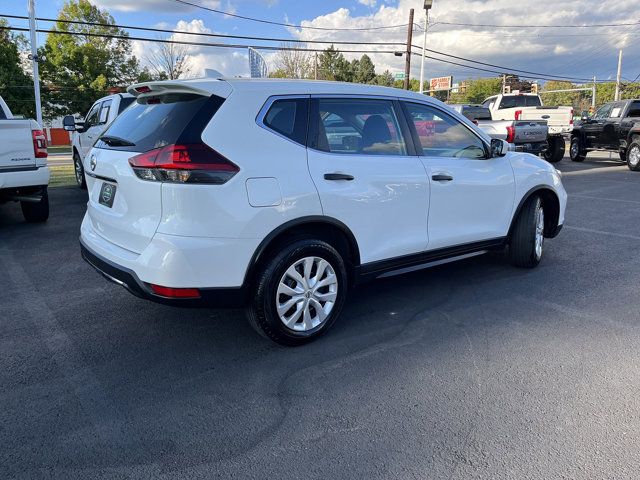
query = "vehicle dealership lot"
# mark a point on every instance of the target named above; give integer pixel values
(469, 370)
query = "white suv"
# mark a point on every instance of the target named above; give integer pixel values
(280, 195)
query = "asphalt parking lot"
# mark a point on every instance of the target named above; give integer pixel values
(464, 371)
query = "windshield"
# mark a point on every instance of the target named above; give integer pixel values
(155, 122)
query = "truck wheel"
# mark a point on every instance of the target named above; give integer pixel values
(575, 152)
(78, 169)
(633, 157)
(298, 294)
(527, 237)
(36, 212)
(555, 149)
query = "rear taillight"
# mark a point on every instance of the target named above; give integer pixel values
(571, 121)
(39, 143)
(518, 114)
(193, 163)
(511, 134)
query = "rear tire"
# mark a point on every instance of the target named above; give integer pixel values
(36, 212)
(555, 149)
(287, 305)
(78, 169)
(527, 238)
(633, 157)
(575, 150)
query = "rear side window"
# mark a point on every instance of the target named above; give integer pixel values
(357, 126)
(289, 117)
(634, 110)
(124, 103)
(104, 112)
(155, 122)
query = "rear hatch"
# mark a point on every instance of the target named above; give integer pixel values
(16, 144)
(124, 207)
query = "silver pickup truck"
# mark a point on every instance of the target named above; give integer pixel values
(525, 135)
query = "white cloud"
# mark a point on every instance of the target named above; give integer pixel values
(368, 3)
(576, 52)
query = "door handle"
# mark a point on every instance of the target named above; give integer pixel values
(338, 176)
(441, 177)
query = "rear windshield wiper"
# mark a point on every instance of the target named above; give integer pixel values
(116, 141)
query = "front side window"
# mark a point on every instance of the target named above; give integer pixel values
(358, 126)
(289, 117)
(634, 110)
(603, 111)
(442, 135)
(92, 117)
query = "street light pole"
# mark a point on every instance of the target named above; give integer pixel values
(618, 76)
(427, 5)
(34, 60)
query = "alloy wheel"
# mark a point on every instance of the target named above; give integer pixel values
(539, 240)
(634, 156)
(306, 294)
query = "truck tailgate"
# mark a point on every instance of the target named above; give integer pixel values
(531, 131)
(559, 119)
(16, 144)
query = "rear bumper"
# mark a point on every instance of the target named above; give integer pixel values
(24, 177)
(229, 297)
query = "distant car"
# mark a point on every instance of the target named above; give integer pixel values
(279, 195)
(100, 115)
(615, 127)
(24, 174)
(528, 136)
(529, 106)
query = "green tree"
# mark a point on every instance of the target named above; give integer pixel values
(364, 71)
(333, 66)
(80, 68)
(385, 79)
(475, 91)
(16, 86)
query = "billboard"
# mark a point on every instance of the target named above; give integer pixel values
(441, 83)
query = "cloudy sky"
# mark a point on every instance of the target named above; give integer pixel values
(571, 52)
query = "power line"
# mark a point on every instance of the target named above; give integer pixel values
(202, 34)
(503, 67)
(279, 48)
(288, 25)
(493, 25)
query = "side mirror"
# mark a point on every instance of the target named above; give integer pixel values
(499, 148)
(69, 123)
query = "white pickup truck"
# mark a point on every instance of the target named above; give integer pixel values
(87, 131)
(528, 106)
(24, 174)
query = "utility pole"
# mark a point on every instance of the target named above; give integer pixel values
(34, 60)
(427, 5)
(504, 83)
(593, 95)
(407, 60)
(617, 95)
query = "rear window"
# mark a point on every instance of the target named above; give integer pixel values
(477, 113)
(520, 101)
(154, 122)
(124, 103)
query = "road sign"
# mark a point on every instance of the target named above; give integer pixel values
(441, 83)
(398, 76)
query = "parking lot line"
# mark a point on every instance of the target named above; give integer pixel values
(602, 232)
(617, 200)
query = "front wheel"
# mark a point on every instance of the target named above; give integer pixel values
(575, 151)
(527, 238)
(78, 169)
(36, 212)
(633, 157)
(299, 293)
(555, 149)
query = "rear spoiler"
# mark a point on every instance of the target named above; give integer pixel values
(165, 87)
